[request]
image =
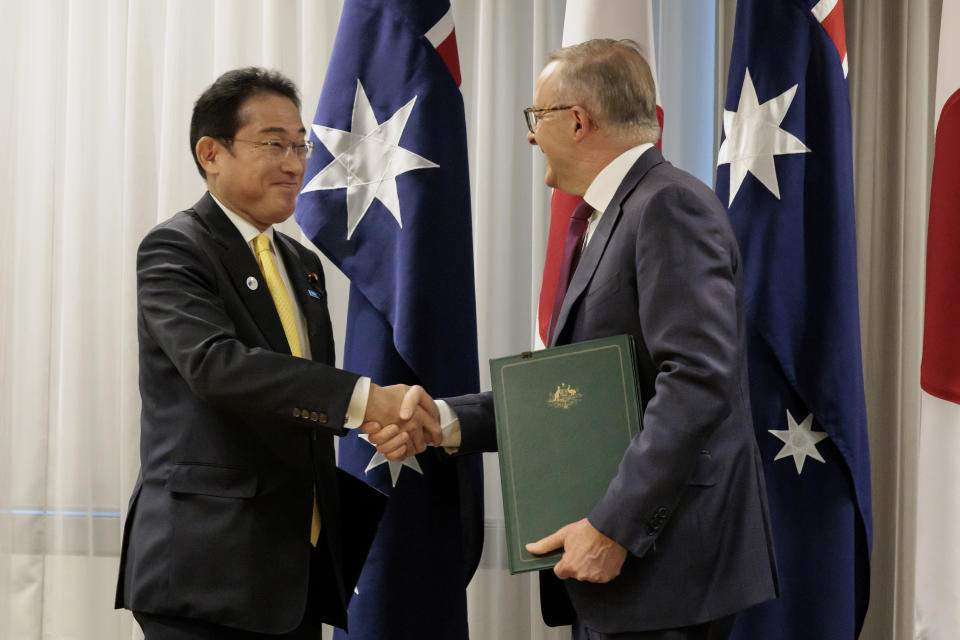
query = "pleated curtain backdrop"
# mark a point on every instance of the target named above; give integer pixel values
(894, 45)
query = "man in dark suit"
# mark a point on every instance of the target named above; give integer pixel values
(234, 528)
(681, 540)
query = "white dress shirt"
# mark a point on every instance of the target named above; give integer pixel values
(605, 185)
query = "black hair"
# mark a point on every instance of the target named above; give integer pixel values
(216, 112)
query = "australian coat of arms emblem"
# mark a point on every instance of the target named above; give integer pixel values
(564, 397)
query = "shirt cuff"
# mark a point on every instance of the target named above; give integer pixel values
(450, 426)
(358, 404)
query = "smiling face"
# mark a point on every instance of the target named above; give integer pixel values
(260, 188)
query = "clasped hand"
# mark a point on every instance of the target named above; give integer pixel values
(401, 421)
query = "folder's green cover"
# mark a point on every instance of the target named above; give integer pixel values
(564, 419)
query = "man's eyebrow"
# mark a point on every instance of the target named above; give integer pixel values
(278, 130)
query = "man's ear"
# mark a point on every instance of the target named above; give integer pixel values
(581, 122)
(207, 151)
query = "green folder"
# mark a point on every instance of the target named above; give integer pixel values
(564, 416)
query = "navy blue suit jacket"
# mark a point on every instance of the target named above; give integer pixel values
(235, 434)
(688, 501)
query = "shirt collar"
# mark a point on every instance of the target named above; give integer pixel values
(605, 185)
(246, 229)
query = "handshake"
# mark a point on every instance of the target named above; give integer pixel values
(401, 421)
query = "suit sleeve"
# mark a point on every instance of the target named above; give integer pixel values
(186, 318)
(687, 306)
(478, 428)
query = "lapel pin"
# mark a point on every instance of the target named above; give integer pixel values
(313, 293)
(312, 277)
(252, 283)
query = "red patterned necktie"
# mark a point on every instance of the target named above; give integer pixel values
(572, 248)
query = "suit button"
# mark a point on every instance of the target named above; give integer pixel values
(305, 414)
(313, 416)
(296, 413)
(322, 418)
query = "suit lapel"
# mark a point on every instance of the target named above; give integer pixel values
(601, 235)
(309, 292)
(242, 269)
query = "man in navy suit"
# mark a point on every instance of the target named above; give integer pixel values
(681, 540)
(235, 526)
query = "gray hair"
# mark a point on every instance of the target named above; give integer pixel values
(612, 81)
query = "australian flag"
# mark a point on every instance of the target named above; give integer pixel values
(785, 170)
(386, 197)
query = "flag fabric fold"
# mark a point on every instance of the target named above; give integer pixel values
(386, 198)
(937, 608)
(585, 20)
(785, 171)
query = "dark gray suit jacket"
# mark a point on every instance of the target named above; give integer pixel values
(688, 501)
(235, 433)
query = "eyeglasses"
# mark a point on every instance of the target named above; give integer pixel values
(532, 115)
(279, 149)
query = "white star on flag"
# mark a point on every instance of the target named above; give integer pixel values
(367, 159)
(800, 441)
(754, 137)
(395, 467)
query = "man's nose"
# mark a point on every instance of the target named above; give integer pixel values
(293, 163)
(531, 138)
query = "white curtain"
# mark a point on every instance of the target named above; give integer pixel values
(893, 49)
(98, 96)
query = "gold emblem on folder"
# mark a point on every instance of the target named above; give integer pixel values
(564, 397)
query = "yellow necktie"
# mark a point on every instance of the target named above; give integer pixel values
(281, 300)
(279, 293)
